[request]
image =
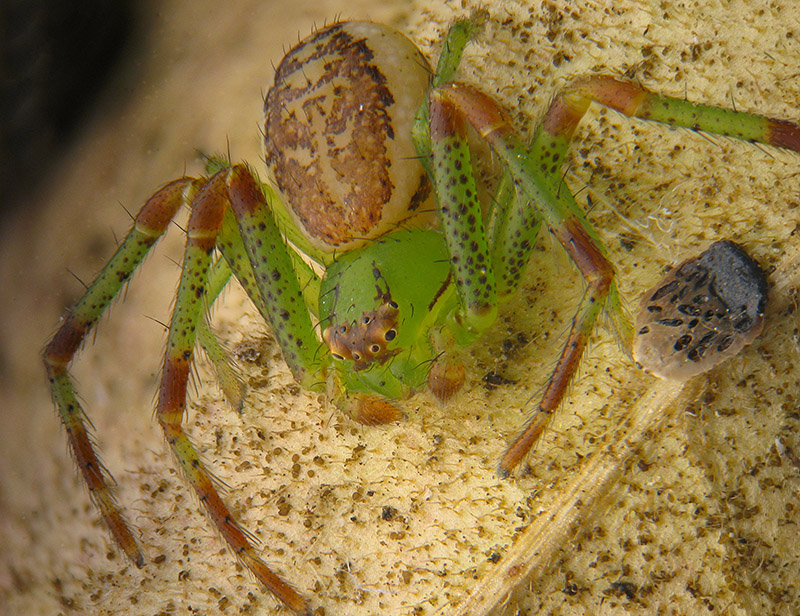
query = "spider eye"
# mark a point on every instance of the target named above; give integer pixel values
(390, 335)
(366, 320)
(393, 304)
(342, 329)
(357, 356)
(337, 356)
(375, 349)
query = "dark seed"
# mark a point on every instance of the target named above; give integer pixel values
(724, 343)
(665, 290)
(689, 310)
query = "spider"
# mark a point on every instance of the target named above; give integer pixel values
(373, 258)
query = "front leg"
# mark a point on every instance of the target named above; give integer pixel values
(553, 203)
(599, 275)
(536, 173)
(462, 222)
(150, 224)
(230, 186)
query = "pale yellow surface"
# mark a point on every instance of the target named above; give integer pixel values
(409, 519)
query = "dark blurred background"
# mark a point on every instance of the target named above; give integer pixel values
(54, 57)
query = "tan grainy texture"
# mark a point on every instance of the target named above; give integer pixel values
(407, 519)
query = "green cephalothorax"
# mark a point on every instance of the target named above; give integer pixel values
(371, 257)
(377, 311)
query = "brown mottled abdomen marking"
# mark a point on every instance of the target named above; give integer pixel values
(338, 132)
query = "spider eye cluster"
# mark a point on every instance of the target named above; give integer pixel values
(365, 340)
(705, 310)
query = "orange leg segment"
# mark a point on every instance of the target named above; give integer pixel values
(203, 230)
(151, 222)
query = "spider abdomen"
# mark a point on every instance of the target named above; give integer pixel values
(338, 133)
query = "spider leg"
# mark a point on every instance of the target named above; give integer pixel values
(200, 284)
(556, 207)
(462, 221)
(536, 174)
(277, 273)
(230, 187)
(599, 275)
(549, 148)
(229, 377)
(150, 224)
(236, 261)
(458, 35)
(627, 97)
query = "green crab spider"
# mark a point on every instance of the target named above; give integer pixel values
(373, 257)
